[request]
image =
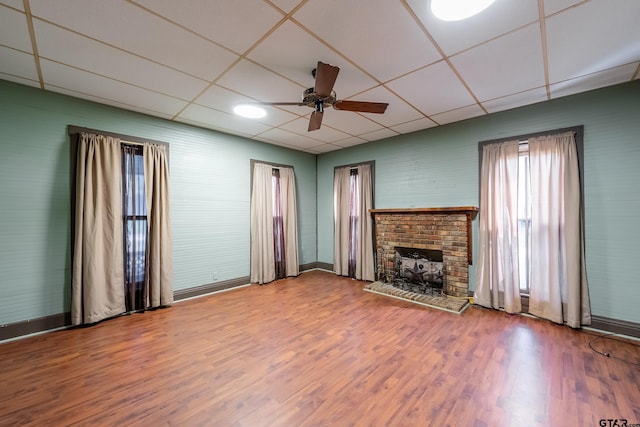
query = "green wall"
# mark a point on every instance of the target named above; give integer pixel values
(439, 167)
(210, 189)
(210, 185)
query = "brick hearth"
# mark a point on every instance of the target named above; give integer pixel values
(444, 229)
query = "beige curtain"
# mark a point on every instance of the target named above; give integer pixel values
(498, 284)
(289, 217)
(262, 252)
(365, 269)
(159, 265)
(98, 276)
(341, 197)
(344, 200)
(559, 289)
(262, 235)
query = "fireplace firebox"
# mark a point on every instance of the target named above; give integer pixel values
(417, 270)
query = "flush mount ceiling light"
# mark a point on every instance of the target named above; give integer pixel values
(456, 10)
(249, 111)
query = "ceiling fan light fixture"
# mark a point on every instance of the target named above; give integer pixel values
(457, 10)
(249, 111)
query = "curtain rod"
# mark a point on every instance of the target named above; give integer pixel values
(274, 165)
(126, 139)
(526, 140)
(523, 138)
(131, 142)
(355, 165)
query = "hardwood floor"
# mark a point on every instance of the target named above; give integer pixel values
(316, 351)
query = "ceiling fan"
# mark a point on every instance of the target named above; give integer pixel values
(322, 94)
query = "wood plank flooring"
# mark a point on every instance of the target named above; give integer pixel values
(316, 351)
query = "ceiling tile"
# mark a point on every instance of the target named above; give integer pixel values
(287, 5)
(281, 143)
(13, 30)
(18, 79)
(213, 127)
(433, 89)
(279, 115)
(349, 122)
(324, 148)
(516, 100)
(291, 139)
(378, 134)
(109, 102)
(135, 30)
(218, 120)
(301, 56)
(273, 141)
(159, 56)
(554, 6)
(18, 4)
(398, 111)
(458, 114)
(350, 142)
(235, 24)
(414, 125)
(106, 89)
(78, 51)
(324, 134)
(501, 17)
(593, 81)
(19, 64)
(256, 82)
(224, 100)
(577, 48)
(489, 68)
(380, 37)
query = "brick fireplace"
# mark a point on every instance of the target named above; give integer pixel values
(441, 229)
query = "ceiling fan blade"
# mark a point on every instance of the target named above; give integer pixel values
(315, 121)
(326, 76)
(361, 107)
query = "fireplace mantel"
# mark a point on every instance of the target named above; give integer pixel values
(469, 210)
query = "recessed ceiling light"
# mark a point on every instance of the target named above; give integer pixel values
(456, 10)
(249, 111)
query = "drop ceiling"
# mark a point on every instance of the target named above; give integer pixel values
(193, 61)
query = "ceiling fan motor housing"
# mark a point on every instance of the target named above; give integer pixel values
(311, 98)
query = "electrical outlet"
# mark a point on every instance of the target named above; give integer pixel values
(215, 275)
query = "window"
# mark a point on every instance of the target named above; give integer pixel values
(354, 220)
(122, 253)
(353, 229)
(134, 221)
(531, 231)
(524, 219)
(274, 232)
(278, 226)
